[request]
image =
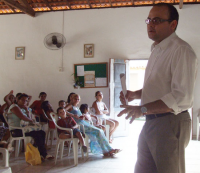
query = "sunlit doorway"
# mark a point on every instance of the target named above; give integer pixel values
(134, 70)
(136, 80)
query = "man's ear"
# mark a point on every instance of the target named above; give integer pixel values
(173, 25)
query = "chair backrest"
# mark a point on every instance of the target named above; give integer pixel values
(5, 117)
(46, 115)
(198, 114)
(54, 118)
(92, 111)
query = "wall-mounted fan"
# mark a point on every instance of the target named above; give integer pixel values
(54, 41)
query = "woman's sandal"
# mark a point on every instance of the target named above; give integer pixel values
(48, 157)
(116, 151)
(112, 153)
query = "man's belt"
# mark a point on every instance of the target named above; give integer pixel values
(153, 116)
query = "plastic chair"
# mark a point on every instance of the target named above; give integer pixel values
(61, 141)
(41, 123)
(5, 168)
(17, 139)
(102, 121)
(198, 126)
(50, 131)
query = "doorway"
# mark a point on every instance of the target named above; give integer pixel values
(134, 70)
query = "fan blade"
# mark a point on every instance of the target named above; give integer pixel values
(54, 40)
(58, 45)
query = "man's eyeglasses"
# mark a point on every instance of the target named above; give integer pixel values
(156, 20)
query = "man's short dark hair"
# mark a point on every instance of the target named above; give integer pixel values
(173, 13)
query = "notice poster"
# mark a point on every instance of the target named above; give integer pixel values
(100, 82)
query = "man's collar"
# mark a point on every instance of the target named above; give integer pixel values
(164, 43)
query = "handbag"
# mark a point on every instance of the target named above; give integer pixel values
(32, 155)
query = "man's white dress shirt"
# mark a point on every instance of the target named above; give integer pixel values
(170, 74)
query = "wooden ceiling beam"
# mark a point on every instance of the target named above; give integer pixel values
(48, 5)
(12, 8)
(26, 4)
(132, 2)
(39, 3)
(110, 3)
(25, 9)
(68, 4)
(88, 1)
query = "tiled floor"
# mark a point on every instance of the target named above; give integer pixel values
(122, 163)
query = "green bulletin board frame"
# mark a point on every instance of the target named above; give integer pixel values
(101, 71)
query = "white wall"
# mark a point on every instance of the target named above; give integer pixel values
(116, 33)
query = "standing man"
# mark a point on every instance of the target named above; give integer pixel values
(166, 96)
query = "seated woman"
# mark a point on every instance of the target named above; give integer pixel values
(18, 112)
(101, 110)
(36, 107)
(46, 106)
(91, 118)
(69, 98)
(98, 142)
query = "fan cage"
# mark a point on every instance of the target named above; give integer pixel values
(48, 41)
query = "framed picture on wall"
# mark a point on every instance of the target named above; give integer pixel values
(19, 53)
(88, 50)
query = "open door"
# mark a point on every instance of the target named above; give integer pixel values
(118, 66)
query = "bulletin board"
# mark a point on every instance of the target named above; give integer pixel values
(92, 75)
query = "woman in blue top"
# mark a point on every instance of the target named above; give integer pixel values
(98, 142)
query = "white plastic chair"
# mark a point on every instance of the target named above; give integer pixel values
(102, 122)
(198, 126)
(61, 141)
(5, 168)
(41, 123)
(50, 131)
(17, 139)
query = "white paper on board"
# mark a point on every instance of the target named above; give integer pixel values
(101, 81)
(80, 70)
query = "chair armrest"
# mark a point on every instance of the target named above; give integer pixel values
(82, 126)
(21, 128)
(66, 129)
(13, 127)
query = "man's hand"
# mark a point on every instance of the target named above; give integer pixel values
(132, 112)
(130, 95)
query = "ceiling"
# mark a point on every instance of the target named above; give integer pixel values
(31, 7)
